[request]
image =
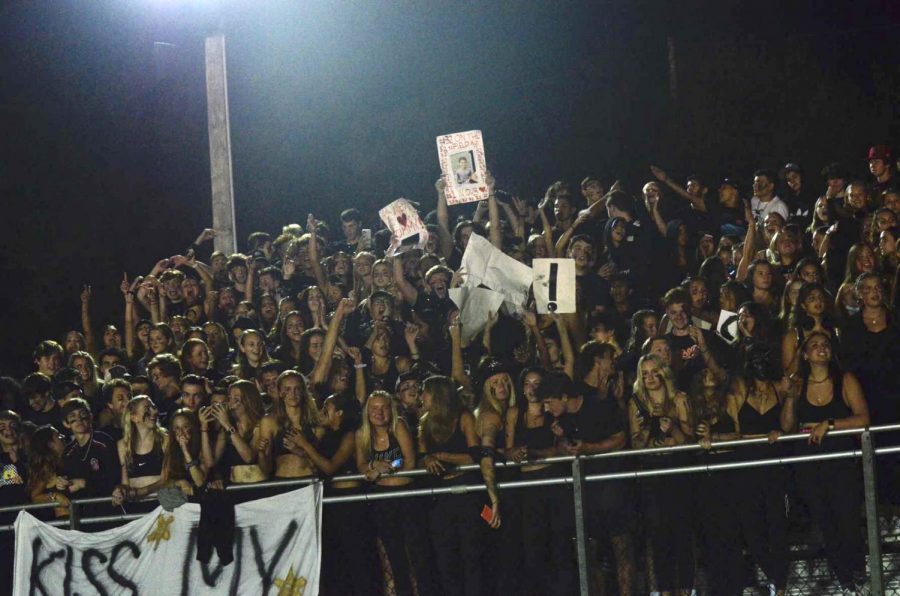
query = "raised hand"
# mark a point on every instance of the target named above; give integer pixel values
(410, 333)
(86, 294)
(311, 224)
(205, 236)
(658, 173)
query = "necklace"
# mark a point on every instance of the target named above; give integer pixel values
(812, 380)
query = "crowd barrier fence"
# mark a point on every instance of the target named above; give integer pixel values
(578, 478)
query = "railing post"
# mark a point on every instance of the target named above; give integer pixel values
(580, 533)
(871, 491)
(74, 515)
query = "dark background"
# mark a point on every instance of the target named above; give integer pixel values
(104, 165)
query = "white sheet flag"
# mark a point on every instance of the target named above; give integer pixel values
(476, 305)
(486, 265)
(554, 285)
(277, 550)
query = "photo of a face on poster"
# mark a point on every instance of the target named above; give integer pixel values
(401, 219)
(461, 156)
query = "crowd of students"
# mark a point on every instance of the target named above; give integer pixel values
(316, 354)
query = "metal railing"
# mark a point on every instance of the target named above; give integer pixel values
(578, 478)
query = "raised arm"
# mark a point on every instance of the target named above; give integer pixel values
(445, 239)
(698, 203)
(749, 242)
(407, 290)
(458, 371)
(86, 324)
(128, 294)
(568, 351)
(563, 243)
(323, 364)
(319, 273)
(494, 214)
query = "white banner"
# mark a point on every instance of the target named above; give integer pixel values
(277, 550)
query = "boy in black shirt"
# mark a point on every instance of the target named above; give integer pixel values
(90, 461)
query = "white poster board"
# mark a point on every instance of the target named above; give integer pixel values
(463, 166)
(554, 285)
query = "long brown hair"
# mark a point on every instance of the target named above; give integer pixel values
(130, 436)
(309, 416)
(437, 425)
(252, 400)
(44, 462)
(173, 462)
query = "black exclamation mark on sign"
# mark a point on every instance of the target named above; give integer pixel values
(551, 299)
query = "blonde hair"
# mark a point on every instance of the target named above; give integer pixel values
(365, 431)
(489, 403)
(668, 378)
(130, 435)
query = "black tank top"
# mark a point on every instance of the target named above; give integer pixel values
(539, 437)
(457, 441)
(329, 445)
(808, 413)
(754, 423)
(145, 464)
(390, 454)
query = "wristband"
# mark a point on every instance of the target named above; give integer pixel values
(831, 424)
(359, 366)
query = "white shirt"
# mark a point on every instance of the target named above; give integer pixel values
(761, 210)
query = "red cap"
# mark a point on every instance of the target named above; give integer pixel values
(881, 152)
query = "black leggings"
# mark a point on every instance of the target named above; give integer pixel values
(831, 490)
(548, 540)
(457, 540)
(350, 564)
(668, 520)
(401, 525)
(761, 513)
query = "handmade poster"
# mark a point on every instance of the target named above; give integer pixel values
(554, 285)
(402, 219)
(476, 305)
(488, 266)
(463, 166)
(277, 550)
(727, 326)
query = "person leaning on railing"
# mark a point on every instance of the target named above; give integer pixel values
(827, 399)
(384, 445)
(659, 416)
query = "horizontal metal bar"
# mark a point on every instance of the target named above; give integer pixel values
(103, 519)
(552, 460)
(776, 461)
(56, 522)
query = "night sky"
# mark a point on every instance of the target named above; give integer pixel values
(105, 166)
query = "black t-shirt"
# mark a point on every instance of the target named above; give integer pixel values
(97, 462)
(726, 220)
(52, 416)
(687, 360)
(593, 291)
(13, 480)
(598, 419)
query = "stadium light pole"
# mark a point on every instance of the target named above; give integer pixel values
(220, 144)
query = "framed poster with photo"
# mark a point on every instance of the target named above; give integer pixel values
(463, 166)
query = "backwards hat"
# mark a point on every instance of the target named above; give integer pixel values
(882, 152)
